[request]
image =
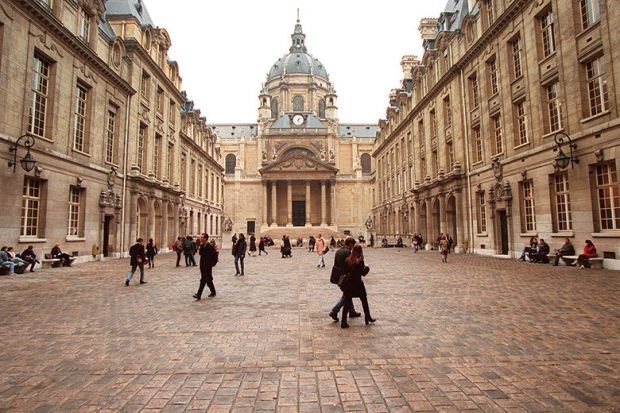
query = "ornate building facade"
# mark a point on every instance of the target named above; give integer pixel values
(506, 128)
(91, 82)
(298, 170)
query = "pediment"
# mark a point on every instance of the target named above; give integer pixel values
(298, 163)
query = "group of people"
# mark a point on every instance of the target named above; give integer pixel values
(538, 251)
(17, 263)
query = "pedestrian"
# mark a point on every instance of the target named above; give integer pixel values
(444, 248)
(332, 242)
(208, 260)
(151, 252)
(354, 286)
(241, 247)
(338, 269)
(188, 251)
(30, 257)
(234, 239)
(589, 251)
(321, 248)
(285, 247)
(252, 245)
(311, 242)
(261, 246)
(137, 255)
(178, 247)
(566, 249)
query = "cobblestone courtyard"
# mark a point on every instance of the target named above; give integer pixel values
(477, 333)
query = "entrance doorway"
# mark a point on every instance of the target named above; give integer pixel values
(106, 235)
(503, 229)
(251, 227)
(299, 213)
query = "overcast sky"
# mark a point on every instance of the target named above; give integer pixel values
(225, 49)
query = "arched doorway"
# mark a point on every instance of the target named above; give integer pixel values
(451, 219)
(436, 229)
(170, 228)
(157, 224)
(141, 219)
(421, 224)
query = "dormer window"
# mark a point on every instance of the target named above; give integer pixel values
(298, 104)
(84, 27)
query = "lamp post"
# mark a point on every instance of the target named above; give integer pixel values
(561, 161)
(27, 162)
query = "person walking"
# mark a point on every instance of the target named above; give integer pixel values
(208, 260)
(178, 247)
(151, 252)
(137, 255)
(320, 246)
(354, 286)
(188, 251)
(566, 249)
(444, 248)
(240, 249)
(338, 269)
(252, 245)
(261, 246)
(311, 243)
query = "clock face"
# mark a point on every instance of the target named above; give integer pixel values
(298, 120)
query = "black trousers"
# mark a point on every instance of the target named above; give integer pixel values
(31, 261)
(179, 257)
(206, 279)
(348, 305)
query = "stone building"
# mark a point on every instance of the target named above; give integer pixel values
(506, 128)
(90, 81)
(298, 170)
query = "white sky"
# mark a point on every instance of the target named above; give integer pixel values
(225, 49)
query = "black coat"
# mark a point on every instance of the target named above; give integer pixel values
(339, 264)
(242, 246)
(355, 286)
(252, 243)
(208, 258)
(136, 251)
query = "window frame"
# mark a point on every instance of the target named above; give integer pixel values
(598, 92)
(39, 99)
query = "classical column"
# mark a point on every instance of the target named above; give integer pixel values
(323, 203)
(460, 230)
(289, 204)
(442, 213)
(332, 203)
(399, 218)
(308, 219)
(274, 203)
(430, 235)
(265, 200)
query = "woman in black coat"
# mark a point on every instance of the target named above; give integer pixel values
(252, 245)
(354, 286)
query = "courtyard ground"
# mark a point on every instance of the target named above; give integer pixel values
(476, 333)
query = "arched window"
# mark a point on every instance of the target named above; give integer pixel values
(274, 108)
(298, 104)
(231, 162)
(365, 161)
(322, 109)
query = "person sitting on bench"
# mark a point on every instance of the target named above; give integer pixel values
(566, 249)
(5, 261)
(30, 257)
(57, 253)
(589, 251)
(540, 255)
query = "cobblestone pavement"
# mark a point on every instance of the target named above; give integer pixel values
(481, 334)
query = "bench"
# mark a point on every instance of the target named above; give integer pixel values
(596, 262)
(49, 262)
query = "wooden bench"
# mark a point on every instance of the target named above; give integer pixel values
(596, 262)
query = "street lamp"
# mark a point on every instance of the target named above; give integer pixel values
(27, 162)
(561, 161)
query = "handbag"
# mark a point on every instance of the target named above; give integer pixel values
(326, 250)
(344, 280)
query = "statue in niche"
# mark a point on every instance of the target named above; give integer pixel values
(322, 154)
(264, 155)
(369, 223)
(273, 150)
(331, 154)
(228, 224)
(111, 178)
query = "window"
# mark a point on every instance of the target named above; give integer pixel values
(548, 34)
(79, 118)
(529, 210)
(493, 83)
(31, 203)
(482, 214)
(200, 181)
(74, 227)
(110, 135)
(447, 113)
(231, 163)
(473, 87)
(47, 3)
(140, 148)
(450, 155)
(490, 11)
(590, 12)
(563, 217)
(84, 28)
(172, 112)
(496, 121)
(40, 88)
(366, 163)
(322, 108)
(608, 194)
(157, 156)
(183, 171)
(170, 160)
(521, 122)
(554, 110)
(274, 108)
(597, 86)
(160, 101)
(477, 150)
(433, 124)
(192, 177)
(435, 162)
(516, 58)
(145, 86)
(298, 104)
(421, 138)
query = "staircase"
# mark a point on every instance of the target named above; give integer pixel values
(303, 232)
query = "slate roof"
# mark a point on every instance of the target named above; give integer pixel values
(234, 130)
(284, 122)
(359, 130)
(135, 8)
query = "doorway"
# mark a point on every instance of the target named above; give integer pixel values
(299, 213)
(503, 229)
(251, 227)
(106, 235)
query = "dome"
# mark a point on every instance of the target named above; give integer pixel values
(297, 60)
(301, 63)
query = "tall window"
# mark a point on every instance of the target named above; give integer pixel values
(84, 28)
(547, 32)
(433, 125)
(477, 150)
(183, 168)
(597, 86)
(160, 101)
(521, 121)
(516, 57)
(74, 212)
(447, 113)
(157, 156)
(562, 202)
(274, 108)
(608, 196)
(554, 110)
(365, 160)
(475, 95)
(79, 118)
(38, 102)
(231, 163)
(421, 137)
(529, 209)
(192, 177)
(435, 161)
(145, 86)
(450, 155)
(493, 83)
(298, 104)
(490, 11)
(590, 12)
(110, 133)
(200, 181)
(140, 148)
(482, 214)
(170, 161)
(172, 112)
(496, 121)
(31, 202)
(322, 108)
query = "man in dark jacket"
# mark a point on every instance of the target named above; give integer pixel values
(208, 259)
(30, 257)
(137, 254)
(188, 251)
(566, 249)
(540, 255)
(337, 270)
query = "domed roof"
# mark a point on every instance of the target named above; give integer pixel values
(298, 60)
